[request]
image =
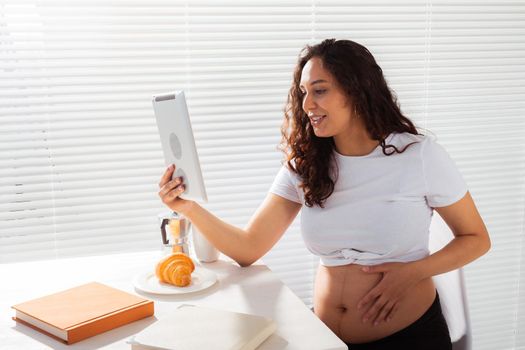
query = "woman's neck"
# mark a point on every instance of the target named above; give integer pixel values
(356, 143)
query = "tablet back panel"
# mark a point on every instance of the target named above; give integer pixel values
(178, 144)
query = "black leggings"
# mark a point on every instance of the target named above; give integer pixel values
(429, 332)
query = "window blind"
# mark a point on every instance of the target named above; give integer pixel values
(80, 153)
(80, 157)
(476, 105)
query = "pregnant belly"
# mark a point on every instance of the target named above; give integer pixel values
(339, 289)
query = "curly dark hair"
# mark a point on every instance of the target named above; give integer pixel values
(357, 73)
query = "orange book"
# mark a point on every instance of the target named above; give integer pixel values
(82, 312)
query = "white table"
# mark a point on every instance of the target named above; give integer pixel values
(253, 289)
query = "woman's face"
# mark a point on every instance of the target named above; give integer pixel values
(324, 102)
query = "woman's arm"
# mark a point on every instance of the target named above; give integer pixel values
(471, 240)
(245, 246)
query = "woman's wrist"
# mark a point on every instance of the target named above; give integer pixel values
(418, 270)
(188, 208)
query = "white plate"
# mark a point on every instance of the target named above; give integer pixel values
(201, 278)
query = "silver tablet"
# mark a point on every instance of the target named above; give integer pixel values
(178, 144)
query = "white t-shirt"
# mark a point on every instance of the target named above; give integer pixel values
(381, 207)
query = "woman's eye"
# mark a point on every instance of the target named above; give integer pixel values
(317, 92)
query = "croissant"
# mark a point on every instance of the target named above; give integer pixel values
(175, 269)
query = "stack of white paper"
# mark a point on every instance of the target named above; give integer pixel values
(197, 327)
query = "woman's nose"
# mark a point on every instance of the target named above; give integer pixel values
(308, 103)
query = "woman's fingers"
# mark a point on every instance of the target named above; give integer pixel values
(392, 312)
(369, 297)
(374, 310)
(172, 197)
(384, 313)
(170, 189)
(176, 192)
(164, 190)
(166, 177)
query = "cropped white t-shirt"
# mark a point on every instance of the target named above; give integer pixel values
(381, 207)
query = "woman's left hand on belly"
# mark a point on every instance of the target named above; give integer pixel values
(381, 302)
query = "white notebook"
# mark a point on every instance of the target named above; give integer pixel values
(196, 327)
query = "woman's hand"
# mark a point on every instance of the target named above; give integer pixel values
(381, 302)
(170, 190)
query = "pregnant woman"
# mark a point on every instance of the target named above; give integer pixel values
(367, 184)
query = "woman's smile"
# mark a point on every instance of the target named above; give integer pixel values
(317, 120)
